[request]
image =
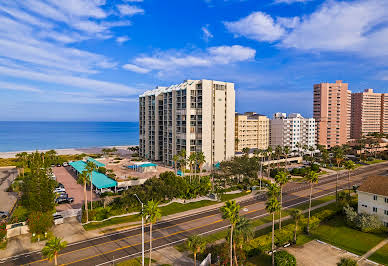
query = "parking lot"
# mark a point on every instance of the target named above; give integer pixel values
(8, 199)
(73, 189)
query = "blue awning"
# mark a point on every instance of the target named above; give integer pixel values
(99, 180)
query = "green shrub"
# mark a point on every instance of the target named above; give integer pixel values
(40, 222)
(283, 258)
(3, 231)
(102, 170)
(20, 214)
(347, 262)
(363, 221)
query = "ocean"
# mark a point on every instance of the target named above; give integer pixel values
(25, 136)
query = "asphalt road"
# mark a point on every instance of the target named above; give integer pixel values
(126, 244)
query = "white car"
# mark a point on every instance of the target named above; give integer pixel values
(59, 190)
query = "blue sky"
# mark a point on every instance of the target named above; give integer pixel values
(87, 60)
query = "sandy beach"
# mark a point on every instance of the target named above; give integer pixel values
(121, 149)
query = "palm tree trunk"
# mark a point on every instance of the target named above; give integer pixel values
(349, 181)
(195, 258)
(86, 202)
(308, 220)
(296, 229)
(231, 245)
(273, 238)
(149, 263)
(55, 260)
(336, 186)
(91, 191)
(280, 209)
(235, 253)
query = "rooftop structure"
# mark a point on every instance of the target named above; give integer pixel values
(99, 164)
(99, 180)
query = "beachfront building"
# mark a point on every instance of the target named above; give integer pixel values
(332, 113)
(369, 113)
(373, 197)
(196, 115)
(251, 131)
(293, 131)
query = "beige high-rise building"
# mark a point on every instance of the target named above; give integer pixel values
(196, 115)
(366, 113)
(332, 113)
(384, 113)
(251, 131)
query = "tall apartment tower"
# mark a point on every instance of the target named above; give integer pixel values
(292, 131)
(251, 131)
(384, 113)
(332, 112)
(366, 113)
(196, 115)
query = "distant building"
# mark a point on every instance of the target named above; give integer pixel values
(373, 197)
(369, 113)
(292, 130)
(196, 115)
(251, 131)
(332, 112)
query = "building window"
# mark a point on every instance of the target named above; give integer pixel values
(374, 197)
(386, 200)
(374, 209)
(363, 205)
(386, 212)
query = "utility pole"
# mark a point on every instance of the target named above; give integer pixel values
(142, 231)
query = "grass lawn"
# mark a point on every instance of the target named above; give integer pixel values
(226, 197)
(381, 255)
(337, 233)
(113, 221)
(260, 260)
(136, 262)
(374, 161)
(180, 207)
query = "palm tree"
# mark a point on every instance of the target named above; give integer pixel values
(286, 151)
(281, 178)
(196, 244)
(273, 190)
(350, 166)
(175, 158)
(230, 211)
(242, 234)
(296, 214)
(272, 205)
(339, 157)
(84, 179)
(269, 152)
(278, 153)
(151, 212)
(90, 168)
(312, 178)
(52, 248)
(191, 162)
(22, 157)
(182, 160)
(200, 158)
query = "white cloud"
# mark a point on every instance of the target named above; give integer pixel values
(219, 55)
(122, 39)
(18, 87)
(288, 23)
(258, 26)
(206, 33)
(128, 10)
(135, 68)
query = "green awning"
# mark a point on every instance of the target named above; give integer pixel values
(99, 180)
(99, 164)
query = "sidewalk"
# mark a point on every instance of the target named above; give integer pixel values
(374, 249)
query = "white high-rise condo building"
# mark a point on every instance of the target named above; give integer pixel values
(292, 130)
(196, 115)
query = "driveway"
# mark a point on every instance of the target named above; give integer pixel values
(65, 176)
(8, 199)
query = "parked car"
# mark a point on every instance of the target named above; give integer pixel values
(4, 214)
(60, 185)
(62, 194)
(65, 164)
(62, 200)
(59, 189)
(58, 219)
(120, 189)
(103, 190)
(59, 165)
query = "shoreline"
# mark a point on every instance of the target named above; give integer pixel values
(69, 151)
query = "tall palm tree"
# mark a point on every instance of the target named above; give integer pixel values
(296, 214)
(84, 179)
(151, 212)
(269, 152)
(90, 168)
(242, 234)
(350, 166)
(230, 211)
(175, 158)
(52, 248)
(200, 158)
(312, 178)
(278, 153)
(281, 178)
(196, 244)
(191, 162)
(273, 190)
(22, 157)
(272, 205)
(339, 157)
(286, 151)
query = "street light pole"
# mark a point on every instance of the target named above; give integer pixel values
(142, 231)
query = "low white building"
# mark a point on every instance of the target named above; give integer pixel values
(291, 130)
(373, 197)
